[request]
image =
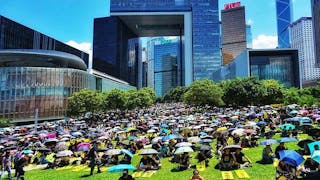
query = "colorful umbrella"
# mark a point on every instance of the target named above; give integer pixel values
(112, 152)
(121, 167)
(287, 126)
(268, 142)
(305, 141)
(148, 151)
(312, 146)
(291, 157)
(127, 152)
(181, 150)
(64, 153)
(183, 144)
(287, 139)
(222, 129)
(316, 156)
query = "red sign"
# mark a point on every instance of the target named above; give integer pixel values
(232, 5)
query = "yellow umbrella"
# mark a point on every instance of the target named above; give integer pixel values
(221, 129)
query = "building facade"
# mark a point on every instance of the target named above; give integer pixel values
(196, 21)
(17, 36)
(301, 34)
(315, 4)
(249, 36)
(167, 67)
(278, 64)
(233, 26)
(284, 19)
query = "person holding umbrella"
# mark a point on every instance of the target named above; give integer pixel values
(94, 158)
(279, 148)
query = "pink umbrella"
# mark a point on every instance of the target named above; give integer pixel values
(52, 135)
(250, 131)
(83, 146)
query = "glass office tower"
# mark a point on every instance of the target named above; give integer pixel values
(284, 19)
(315, 4)
(196, 22)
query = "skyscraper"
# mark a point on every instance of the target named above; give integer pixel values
(301, 34)
(284, 19)
(233, 25)
(196, 22)
(249, 36)
(315, 4)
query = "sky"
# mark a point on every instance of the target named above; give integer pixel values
(71, 21)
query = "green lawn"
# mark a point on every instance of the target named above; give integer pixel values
(261, 172)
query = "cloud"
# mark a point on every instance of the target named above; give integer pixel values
(250, 21)
(265, 42)
(83, 46)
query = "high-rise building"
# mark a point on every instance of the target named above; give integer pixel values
(284, 19)
(249, 36)
(196, 22)
(233, 25)
(315, 4)
(17, 36)
(301, 34)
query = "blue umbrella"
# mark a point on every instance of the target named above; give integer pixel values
(164, 126)
(312, 145)
(261, 123)
(121, 167)
(203, 134)
(305, 120)
(316, 156)
(133, 138)
(27, 151)
(168, 137)
(296, 119)
(127, 152)
(268, 142)
(294, 112)
(287, 139)
(291, 157)
(205, 141)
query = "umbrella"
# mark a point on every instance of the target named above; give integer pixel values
(43, 149)
(51, 141)
(205, 141)
(112, 152)
(293, 112)
(260, 123)
(305, 120)
(305, 141)
(268, 142)
(183, 144)
(133, 138)
(64, 153)
(315, 116)
(316, 156)
(287, 139)
(61, 146)
(291, 157)
(121, 167)
(239, 131)
(181, 150)
(232, 147)
(186, 130)
(148, 151)
(164, 126)
(127, 152)
(222, 129)
(168, 137)
(166, 131)
(194, 139)
(313, 145)
(287, 126)
(151, 131)
(155, 140)
(205, 148)
(250, 131)
(27, 151)
(208, 130)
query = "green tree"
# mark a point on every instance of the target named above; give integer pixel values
(82, 102)
(114, 99)
(144, 97)
(204, 92)
(291, 96)
(242, 91)
(4, 122)
(272, 92)
(175, 94)
(307, 100)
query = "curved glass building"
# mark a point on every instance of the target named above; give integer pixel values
(39, 79)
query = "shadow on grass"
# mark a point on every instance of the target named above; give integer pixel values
(85, 176)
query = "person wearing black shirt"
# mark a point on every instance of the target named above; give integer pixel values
(310, 169)
(126, 176)
(94, 158)
(279, 148)
(238, 157)
(145, 163)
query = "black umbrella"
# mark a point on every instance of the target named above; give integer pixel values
(314, 132)
(232, 147)
(9, 148)
(43, 149)
(302, 143)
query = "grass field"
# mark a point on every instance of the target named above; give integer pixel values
(260, 172)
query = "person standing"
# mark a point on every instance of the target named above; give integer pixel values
(6, 163)
(94, 158)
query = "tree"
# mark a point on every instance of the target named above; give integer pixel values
(242, 92)
(272, 92)
(114, 99)
(4, 122)
(82, 102)
(175, 94)
(140, 98)
(291, 96)
(204, 92)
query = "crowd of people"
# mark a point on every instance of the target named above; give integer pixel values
(172, 131)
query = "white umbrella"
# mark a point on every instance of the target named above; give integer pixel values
(181, 150)
(64, 153)
(239, 131)
(183, 144)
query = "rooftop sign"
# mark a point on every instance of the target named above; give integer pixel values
(232, 5)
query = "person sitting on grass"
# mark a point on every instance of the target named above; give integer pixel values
(279, 148)
(310, 169)
(184, 162)
(156, 162)
(202, 157)
(145, 163)
(226, 161)
(196, 176)
(126, 176)
(284, 171)
(267, 155)
(238, 157)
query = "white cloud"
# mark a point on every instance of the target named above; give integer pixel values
(265, 42)
(250, 22)
(83, 46)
